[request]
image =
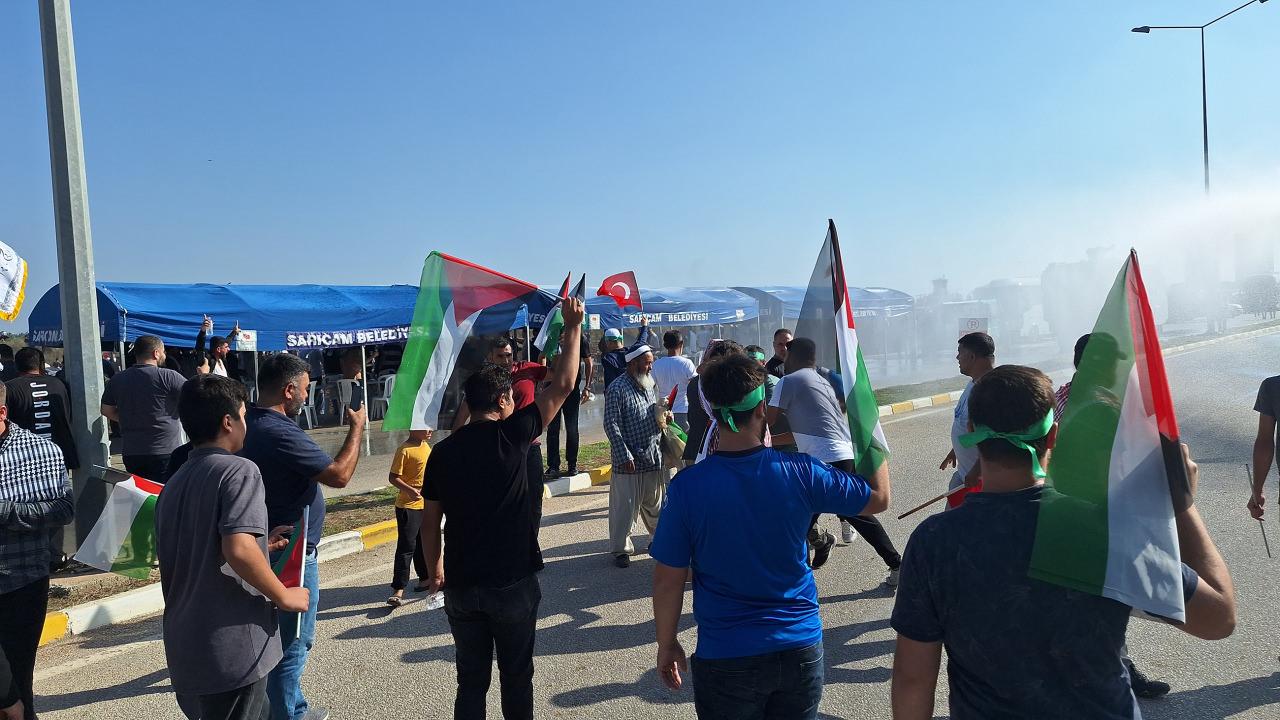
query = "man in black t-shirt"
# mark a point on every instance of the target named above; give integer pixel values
(777, 364)
(478, 476)
(568, 416)
(39, 403)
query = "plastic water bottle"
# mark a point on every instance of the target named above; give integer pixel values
(435, 601)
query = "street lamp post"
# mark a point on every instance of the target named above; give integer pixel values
(1204, 85)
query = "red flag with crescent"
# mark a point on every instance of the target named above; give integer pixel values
(623, 288)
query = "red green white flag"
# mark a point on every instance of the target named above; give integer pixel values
(826, 317)
(1117, 470)
(123, 540)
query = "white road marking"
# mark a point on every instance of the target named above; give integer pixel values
(98, 656)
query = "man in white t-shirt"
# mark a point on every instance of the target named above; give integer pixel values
(674, 371)
(976, 357)
(820, 429)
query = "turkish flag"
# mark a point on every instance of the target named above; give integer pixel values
(622, 288)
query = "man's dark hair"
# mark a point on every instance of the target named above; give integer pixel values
(499, 343)
(205, 400)
(753, 349)
(723, 348)
(979, 343)
(1081, 344)
(216, 342)
(1010, 398)
(780, 331)
(486, 387)
(29, 359)
(6, 352)
(145, 345)
(802, 352)
(727, 380)
(277, 371)
(672, 339)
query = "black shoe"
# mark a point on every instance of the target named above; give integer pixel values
(622, 561)
(822, 550)
(1143, 686)
(551, 473)
(570, 472)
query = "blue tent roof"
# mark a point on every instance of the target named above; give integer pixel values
(678, 307)
(868, 301)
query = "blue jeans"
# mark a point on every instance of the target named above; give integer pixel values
(777, 686)
(284, 684)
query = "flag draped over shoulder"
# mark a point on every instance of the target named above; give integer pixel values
(456, 299)
(123, 540)
(1117, 470)
(826, 317)
(548, 340)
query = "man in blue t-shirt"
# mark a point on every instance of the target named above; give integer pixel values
(755, 601)
(1018, 647)
(293, 469)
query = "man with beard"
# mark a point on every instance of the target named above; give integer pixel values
(638, 480)
(293, 469)
(777, 364)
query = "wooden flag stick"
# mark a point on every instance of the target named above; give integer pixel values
(1248, 476)
(927, 503)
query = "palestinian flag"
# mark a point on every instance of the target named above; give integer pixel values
(1117, 469)
(548, 340)
(456, 300)
(123, 540)
(288, 567)
(826, 317)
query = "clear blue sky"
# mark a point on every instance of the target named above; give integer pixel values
(699, 143)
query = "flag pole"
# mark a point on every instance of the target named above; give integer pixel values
(927, 503)
(1248, 476)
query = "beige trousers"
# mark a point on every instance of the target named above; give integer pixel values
(631, 495)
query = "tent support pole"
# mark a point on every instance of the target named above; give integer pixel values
(364, 390)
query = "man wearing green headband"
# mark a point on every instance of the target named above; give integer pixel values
(1018, 647)
(755, 601)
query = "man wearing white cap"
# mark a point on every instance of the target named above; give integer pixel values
(614, 357)
(638, 480)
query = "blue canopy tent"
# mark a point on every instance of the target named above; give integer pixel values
(675, 307)
(285, 317)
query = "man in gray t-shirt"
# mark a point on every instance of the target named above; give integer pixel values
(221, 637)
(144, 400)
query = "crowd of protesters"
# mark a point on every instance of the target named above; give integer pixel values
(763, 444)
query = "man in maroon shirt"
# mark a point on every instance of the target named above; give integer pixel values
(525, 377)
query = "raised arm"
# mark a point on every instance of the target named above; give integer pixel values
(565, 374)
(1211, 610)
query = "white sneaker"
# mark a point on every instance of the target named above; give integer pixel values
(892, 580)
(846, 532)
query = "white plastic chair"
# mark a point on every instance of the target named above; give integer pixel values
(379, 405)
(309, 407)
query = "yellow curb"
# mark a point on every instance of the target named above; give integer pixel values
(600, 475)
(55, 628)
(903, 407)
(378, 534)
(943, 399)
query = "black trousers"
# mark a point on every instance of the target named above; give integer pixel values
(245, 703)
(533, 467)
(870, 528)
(147, 467)
(569, 412)
(21, 622)
(484, 620)
(408, 548)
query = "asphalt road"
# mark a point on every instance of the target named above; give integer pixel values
(596, 636)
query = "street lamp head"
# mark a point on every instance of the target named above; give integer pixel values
(1143, 29)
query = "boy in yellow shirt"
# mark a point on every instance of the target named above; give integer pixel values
(406, 475)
